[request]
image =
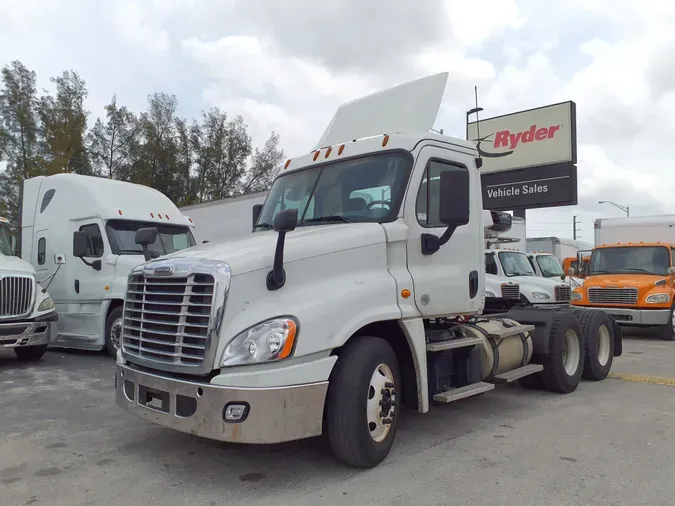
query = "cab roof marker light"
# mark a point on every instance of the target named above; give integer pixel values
(341, 149)
(385, 140)
(152, 215)
(288, 162)
(328, 152)
(119, 211)
(316, 154)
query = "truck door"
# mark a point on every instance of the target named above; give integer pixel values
(451, 280)
(43, 263)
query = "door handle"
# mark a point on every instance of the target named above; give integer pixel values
(77, 286)
(473, 284)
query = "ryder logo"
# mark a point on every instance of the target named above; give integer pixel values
(511, 140)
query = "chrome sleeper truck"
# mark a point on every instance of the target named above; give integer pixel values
(360, 291)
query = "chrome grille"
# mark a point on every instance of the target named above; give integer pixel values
(168, 319)
(511, 291)
(16, 296)
(598, 295)
(562, 293)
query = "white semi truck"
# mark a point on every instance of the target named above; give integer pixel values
(27, 314)
(101, 216)
(338, 311)
(223, 220)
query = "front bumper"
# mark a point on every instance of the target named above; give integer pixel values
(272, 414)
(637, 317)
(38, 331)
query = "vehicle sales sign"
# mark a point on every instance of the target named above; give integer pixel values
(532, 138)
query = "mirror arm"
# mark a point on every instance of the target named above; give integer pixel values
(276, 278)
(96, 264)
(431, 243)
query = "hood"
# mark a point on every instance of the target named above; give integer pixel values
(623, 280)
(256, 250)
(537, 282)
(15, 264)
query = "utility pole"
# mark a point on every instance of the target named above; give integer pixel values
(574, 226)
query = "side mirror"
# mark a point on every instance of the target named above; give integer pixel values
(570, 272)
(80, 244)
(454, 204)
(286, 220)
(256, 213)
(145, 237)
(671, 271)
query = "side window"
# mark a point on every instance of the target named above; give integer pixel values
(95, 242)
(42, 251)
(672, 257)
(426, 207)
(490, 264)
(531, 259)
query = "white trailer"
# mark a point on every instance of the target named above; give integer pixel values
(560, 247)
(657, 228)
(336, 312)
(223, 220)
(100, 216)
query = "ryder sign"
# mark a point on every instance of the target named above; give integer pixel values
(532, 138)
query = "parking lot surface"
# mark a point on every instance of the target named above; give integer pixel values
(63, 442)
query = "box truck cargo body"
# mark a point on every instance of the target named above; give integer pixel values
(560, 247)
(659, 228)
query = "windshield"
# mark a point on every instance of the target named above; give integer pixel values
(365, 189)
(630, 259)
(515, 263)
(122, 237)
(5, 244)
(549, 266)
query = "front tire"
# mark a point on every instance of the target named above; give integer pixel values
(667, 331)
(30, 353)
(363, 402)
(113, 331)
(564, 363)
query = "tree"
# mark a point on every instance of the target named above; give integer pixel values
(265, 166)
(18, 134)
(114, 143)
(64, 124)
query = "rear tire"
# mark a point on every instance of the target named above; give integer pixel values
(599, 334)
(564, 363)
(113, 331)
(30, 353)
(358, 436)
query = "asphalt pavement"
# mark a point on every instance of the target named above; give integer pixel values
(63, 442)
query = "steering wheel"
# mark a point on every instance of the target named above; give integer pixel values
(384, 202)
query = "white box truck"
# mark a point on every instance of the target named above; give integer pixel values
(658, 228)
(105, 214)
(222, 220)
(27, 314)
(338, 311)
(560, 247)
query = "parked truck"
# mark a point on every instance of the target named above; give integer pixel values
(27, 314)
(559, 247)
(223, 220)
(89, 291)
(338, 311)
(631, 274)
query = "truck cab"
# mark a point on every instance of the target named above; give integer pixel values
(27, 314)
(634, 283)
(547, 265)
(89, 290)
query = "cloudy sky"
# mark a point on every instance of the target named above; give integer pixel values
(287, 64)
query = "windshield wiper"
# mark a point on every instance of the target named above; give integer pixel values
(331, 218)
(638, 269)
(599, 271)
(266, 226)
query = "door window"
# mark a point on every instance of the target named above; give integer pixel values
(94, 240)
(42, 251)
(490, 264)
(427, 205)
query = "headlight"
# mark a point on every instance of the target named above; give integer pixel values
(266, 342)
(46, 304)
(658, 298)
(540, 295)
(576, 296)
(489, 294)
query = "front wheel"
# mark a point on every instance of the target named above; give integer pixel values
(667, 331)
(363, 402)
(113, 331)
(30, 353)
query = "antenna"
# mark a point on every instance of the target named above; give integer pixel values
(478, 109)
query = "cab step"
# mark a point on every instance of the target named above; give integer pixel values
(453, 343)
(515, 374)
(455, 394)
(511, 331)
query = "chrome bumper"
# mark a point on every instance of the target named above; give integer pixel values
(637, 316)
(28, 333)
(270, 415)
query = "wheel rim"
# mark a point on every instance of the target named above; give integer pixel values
(672, 321)
(381, 402)
(571, 352)
(116, 333)
(603, 345)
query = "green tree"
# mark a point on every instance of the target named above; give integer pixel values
(265, 166)
(114, 143)
(64, 125)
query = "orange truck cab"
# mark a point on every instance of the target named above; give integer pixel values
(634, 283)
(573, 263)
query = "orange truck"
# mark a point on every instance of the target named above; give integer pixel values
(631, 273)
(580, 269)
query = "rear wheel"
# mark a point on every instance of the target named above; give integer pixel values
(30, 353)
(113, 331)
(599, 353)
(362, 402)
(564, 363)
